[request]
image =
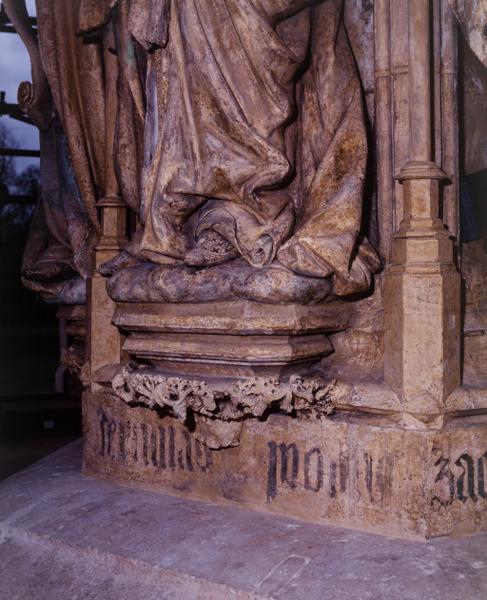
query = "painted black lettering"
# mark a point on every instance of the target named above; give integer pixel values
(121, 440)
(333, 480)
(199, 451)
(481, 475)
(153, 447)
(145, 444)
(272, 472)
(103, 441)
(368, 473)
(444, 474)
(135, 441)
(289, 476)
(172, 448)
(468, 472)
(313, 470)
(189, 461)
(343, 472)
(162, 447)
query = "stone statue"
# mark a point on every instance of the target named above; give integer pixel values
(245, 169)
(72, 62)
(229, 309)
(254, 156)
(472, 17)
(57, 258)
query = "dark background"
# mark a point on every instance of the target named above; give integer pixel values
(36, 415)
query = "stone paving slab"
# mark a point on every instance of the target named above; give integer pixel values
(63, 536)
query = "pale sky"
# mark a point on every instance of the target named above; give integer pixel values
(14, 68)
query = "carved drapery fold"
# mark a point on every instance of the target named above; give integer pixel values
(263, 157)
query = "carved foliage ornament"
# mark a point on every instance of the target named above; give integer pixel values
(72, 360)
(240, 400)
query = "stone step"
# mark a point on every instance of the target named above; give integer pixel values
(65, 536)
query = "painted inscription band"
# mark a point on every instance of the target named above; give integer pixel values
(292, 468)
(289, 466)
(462, 479)
(139, 444)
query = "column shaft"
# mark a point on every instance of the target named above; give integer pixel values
(422, 290)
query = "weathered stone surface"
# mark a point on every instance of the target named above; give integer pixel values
(218, 404)
(148, 282)
(261, 186)
(420, 307)
(232, 317)
(232, 350)
(65, 536)
(253, 202)
(348, 470)
(472, 15)
(474, 269)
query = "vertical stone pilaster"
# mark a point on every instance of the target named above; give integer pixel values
(383, 124)
(422, 289)
(104, 342)
(449, 117)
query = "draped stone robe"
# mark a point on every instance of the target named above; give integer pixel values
(74, 70)
(74, 155)
(255, 130)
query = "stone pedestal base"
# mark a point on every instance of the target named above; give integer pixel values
(357, 471)
(229, 340)
(66, 536)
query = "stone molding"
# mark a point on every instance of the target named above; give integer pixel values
(237, 401)
(416, 169)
